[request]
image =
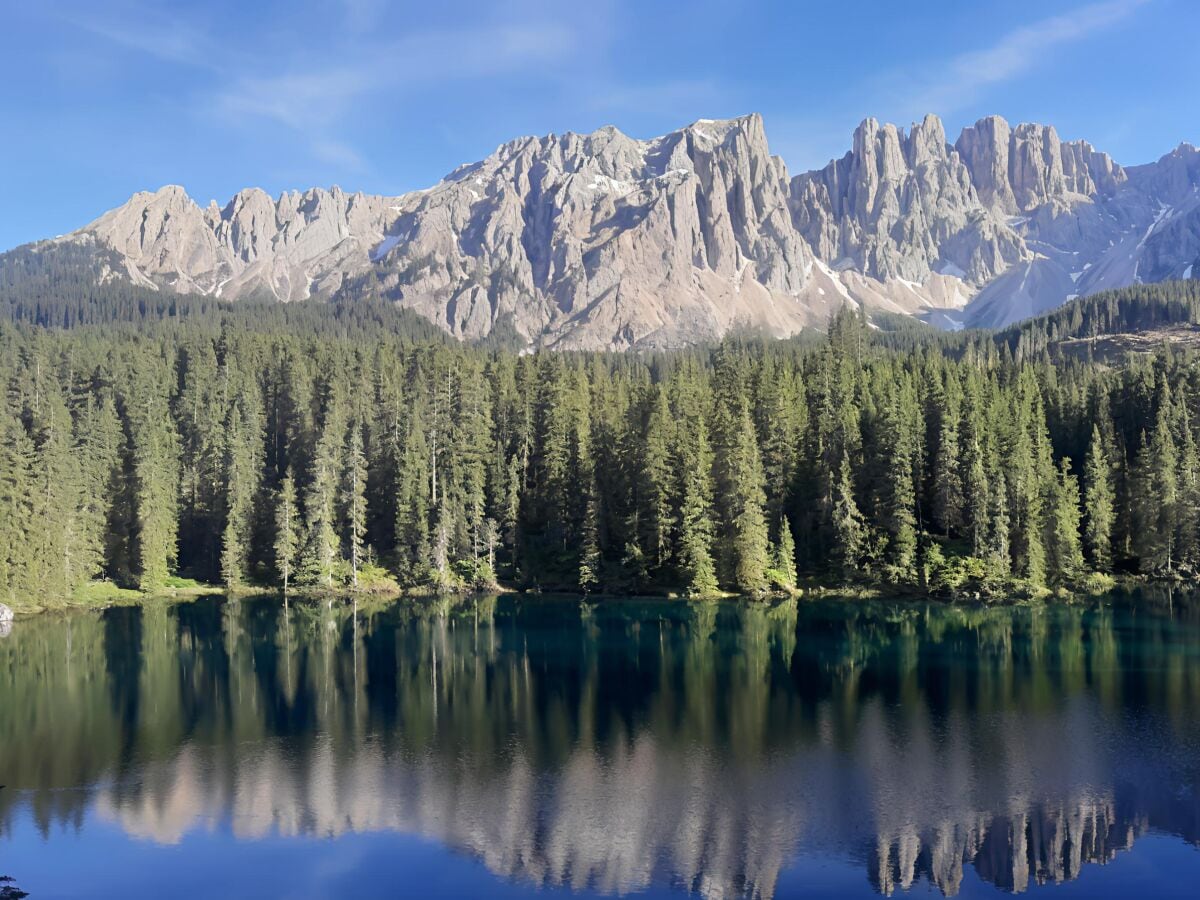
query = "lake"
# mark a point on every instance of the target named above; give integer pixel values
(519, 747)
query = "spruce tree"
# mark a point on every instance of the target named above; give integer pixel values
(98, 446)
(1099, 503)
(242, 468)
(1158, 491)
(1065, 557)
(355, 499)
(589, 554)
(652, 514)
(287, 528)
(947, 481)
(154, 448)
(849, 526)
(745, 500)
(694, 467)
(785, 556)
(898, 499)
(319, 555)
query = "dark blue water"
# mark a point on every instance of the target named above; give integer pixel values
(515, 747)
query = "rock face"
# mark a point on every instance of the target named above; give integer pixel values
(6, 615)
(601, 240)
(1025, 220)
(1015, 170)
(604, 241)
(902, 206)
(290, 248)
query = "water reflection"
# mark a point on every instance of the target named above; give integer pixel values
(620, 745)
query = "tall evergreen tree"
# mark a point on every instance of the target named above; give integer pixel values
(154, 447)
(355, 499)
(1065, 557)
(1158, 487)
(1099, 503)
(849, 525)
(287, 529)
(743, 501)
(694, 467)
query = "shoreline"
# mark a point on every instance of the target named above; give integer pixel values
(105, 595)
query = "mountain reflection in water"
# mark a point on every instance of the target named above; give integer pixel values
(616, 746)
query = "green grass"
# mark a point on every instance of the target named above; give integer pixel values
(102, 594)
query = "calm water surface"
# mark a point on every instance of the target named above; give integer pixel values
(516, 747)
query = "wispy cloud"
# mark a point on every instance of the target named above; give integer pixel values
(962, 80)
(144, 30)
(363, 14)
(314, 101)
(312, 98)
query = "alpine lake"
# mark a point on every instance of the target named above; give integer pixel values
(518, 746)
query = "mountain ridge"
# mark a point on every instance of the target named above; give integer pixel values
(602, 240)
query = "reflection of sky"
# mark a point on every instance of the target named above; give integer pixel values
(639, 816)
(102, 860)
(725, 762)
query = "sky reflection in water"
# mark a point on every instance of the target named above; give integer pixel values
(514, 746)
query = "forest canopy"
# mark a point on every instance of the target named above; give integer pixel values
(266, 445)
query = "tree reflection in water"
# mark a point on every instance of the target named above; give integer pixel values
(615, 745)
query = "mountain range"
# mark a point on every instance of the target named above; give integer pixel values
(604, 241)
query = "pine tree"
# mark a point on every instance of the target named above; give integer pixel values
(898, 499)
(511, 509)
(1187, 527)
(18, 463)
(1099, 502)
(319, 555)
(744, 502)
(412, 506)
(1030, 477)
(1158, 491)
(589, 555)
(977, 493)
(1065, 557)
(155, 452)
(242, 467)
(287, 528)
(998, 549)
(57, 566)
(355, 499)
(947, 482)
(98, 447)
(652, 513)
(785, 556)
(694, 467)
(440, 548)
(849, 526)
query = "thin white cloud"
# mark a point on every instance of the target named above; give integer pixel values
(313, 97)
(363, 14)
(305, 101)
(314, 100)
(961, 81)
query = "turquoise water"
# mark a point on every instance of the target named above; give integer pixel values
(515, 747)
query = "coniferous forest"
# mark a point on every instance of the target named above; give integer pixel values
(258, 446)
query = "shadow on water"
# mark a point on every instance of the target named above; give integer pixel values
(619, 745)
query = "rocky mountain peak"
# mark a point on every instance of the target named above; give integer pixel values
(900, 206)
(605, 240)
(1015, 169)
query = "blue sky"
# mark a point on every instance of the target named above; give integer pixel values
(102, 99)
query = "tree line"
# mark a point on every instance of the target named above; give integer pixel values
(258, 452)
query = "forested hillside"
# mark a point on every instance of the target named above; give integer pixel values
(1145, 308)
(297, 451)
